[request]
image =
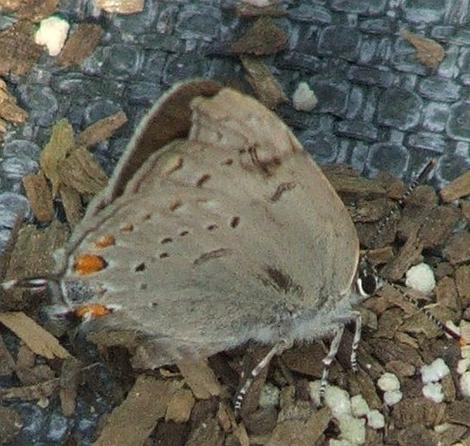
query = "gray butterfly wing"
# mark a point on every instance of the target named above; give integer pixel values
(229, 235)
(168, 119)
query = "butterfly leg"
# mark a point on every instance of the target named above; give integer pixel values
(328, 359)
(356, 315)
(276, 350)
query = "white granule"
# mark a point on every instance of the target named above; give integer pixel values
(359, 406)
(434, 371)
(421, 277)
(304, 98)
(388, 382)
(465, 384)
(375, 419)
(392, 397)
(52, 33)
(463, 365)
(338, 401)
(433, 391)
(352, 429)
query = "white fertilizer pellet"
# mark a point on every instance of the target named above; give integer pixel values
(434, 371)
(421, 277)
(52, 33)
(433, 392)
(388, 382)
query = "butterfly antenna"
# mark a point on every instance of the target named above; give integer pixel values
(447, 330)
(32, 283)
(421, 178)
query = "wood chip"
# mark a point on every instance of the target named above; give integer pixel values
(439, 224)
(80, 44)
(10, 424)
(35, 375)
(33, 10)
(408, 255)
(25, 358)
(18, 52)
(33, 335)
(248, 10)
(72, 205)
(180, 406)
(418, 410)
(428, 52)
(380, 256)
(61, 142)
(416, 434)
(102, 129)
(458, 249)
(362, 383)
(301, 432)
(462, 281)
(69, 381)
(350, 187)
(32, 256)
(7, 364)
(446, 293)
(121, 6)
(135, 419)
(11, 5)
(40, 196)
(200, 378)
(418, 207)
(465, 206)
(9, 110)
(267, 89)
(263, 38)
(3, 128)
(206, 433)
(30, 393)
(459, 412)
(458, 188)
(81, 172)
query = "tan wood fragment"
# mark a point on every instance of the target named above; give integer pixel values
(200, 378)
(135, 419)
(263, 38)
(102, 129)
(428, 51)
(33, 335)
(80, 44)
(268, 90)
(458, 188)
(39, 195)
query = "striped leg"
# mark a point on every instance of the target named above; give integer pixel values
(357, 338)
(329, 359)
(276, 350)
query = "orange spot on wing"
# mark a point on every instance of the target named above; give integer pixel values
(104, 241)
(94, 310)
(88, 264)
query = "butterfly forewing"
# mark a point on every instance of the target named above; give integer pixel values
(229, 235)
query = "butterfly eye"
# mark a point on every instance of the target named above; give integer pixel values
(367, 283)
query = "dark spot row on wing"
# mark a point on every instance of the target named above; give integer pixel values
(215, 254)
(280, 280)
(233, 223)
(283, 187)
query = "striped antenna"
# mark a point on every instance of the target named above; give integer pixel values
(452, 333)
(39, 282)
(421, 178)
